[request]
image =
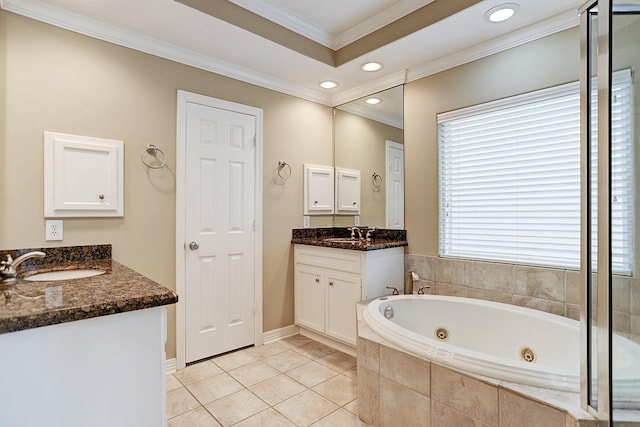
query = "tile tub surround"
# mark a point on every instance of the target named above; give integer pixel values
(397, 388)
(552, 290)
(381, 238)
(36, 304)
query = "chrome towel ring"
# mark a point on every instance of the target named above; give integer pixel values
(284, 169)
(152, 151)
(376, 180)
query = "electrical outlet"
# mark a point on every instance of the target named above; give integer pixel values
(53, 229)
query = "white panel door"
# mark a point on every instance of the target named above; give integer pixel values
(395, 185)
(219, 198)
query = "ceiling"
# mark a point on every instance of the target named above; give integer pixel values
(292, 45)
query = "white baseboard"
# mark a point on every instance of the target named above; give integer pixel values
(280, 333)
(170, 366)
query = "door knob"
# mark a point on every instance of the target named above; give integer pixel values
(193, 246)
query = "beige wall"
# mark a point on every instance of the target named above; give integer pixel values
(546, 62)
(64, 82)
(360, 145)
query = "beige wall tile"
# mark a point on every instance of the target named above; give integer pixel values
(621, 294)
(442, 415)
(554, 307)
(487, 295)
(451, 290)
(516, 411)
(573, 287)
(369, 396)
(621, 322)
(401, 406)
(491, 276)
(472, 397)
(423, 265)
(451, 271)
(572, 311)
(405, 370)
(635, 296)
(368, 355)
(542, 283)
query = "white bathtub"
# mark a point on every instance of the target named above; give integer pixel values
(488, 338)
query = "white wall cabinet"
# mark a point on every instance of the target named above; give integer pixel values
(318, 190)
(347, 191)
(83, 176)
(329, 282)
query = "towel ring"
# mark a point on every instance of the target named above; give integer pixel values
(281, 167)
(152, 150)
(376, 180)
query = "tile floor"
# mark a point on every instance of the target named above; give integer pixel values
(295, 381)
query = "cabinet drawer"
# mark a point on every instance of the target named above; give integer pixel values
(334, 259)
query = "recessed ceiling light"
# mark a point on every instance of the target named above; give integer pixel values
(371, 66)
(502, 12)
(328, 84)
(373, 101)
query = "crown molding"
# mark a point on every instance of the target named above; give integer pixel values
(112, 34)
(561, 22)
(363, 111)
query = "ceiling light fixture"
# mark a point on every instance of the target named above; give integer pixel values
(328, 84)
(502, 12)
(373, 101)
(371, 66)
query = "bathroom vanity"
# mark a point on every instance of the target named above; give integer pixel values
(86, 351)
(333, 272)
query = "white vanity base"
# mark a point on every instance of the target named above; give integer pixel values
(104, 371)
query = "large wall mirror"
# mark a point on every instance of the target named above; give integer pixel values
(369, 137)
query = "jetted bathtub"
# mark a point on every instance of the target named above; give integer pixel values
(501, 341)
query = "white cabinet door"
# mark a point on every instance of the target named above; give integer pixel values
(343, 292)
(318, 190)
(309, 297)
(83, 176)
(347, 191)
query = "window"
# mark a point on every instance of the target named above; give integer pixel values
(509, 178)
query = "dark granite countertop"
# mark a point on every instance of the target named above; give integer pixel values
(381, 238)
(36, 304)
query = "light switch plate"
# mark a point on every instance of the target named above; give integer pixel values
(53, 230)
(307, 221)
(356, 220)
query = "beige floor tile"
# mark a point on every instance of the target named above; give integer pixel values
(340, 418)
(197, 372)
(339, 389)
(295, 341)
(199, 417)
(267, 350)
(253, 373)
(311, 374)
(172, 383)
(352, 406)
(214, 388)
(352, 373)
(234, 360)
(276, 389)
(267, 418)
(338, 361)
(180, 401)
(306, 408)
(315, 350)
(287, 360)
(236, 407)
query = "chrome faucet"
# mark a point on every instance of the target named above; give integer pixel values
(8, 267)
(369, 233)
(353, 232)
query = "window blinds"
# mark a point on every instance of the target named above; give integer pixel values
(509, 179)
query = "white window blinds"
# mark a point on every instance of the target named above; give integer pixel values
(509, 174)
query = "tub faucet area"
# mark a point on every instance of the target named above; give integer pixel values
(8, 266)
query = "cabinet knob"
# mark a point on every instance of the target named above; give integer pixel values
(317, 280)
(101, 196)
(330, 283)
(315, 203)
(355, 203)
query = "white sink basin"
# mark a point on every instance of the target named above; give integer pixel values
(63, 275)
